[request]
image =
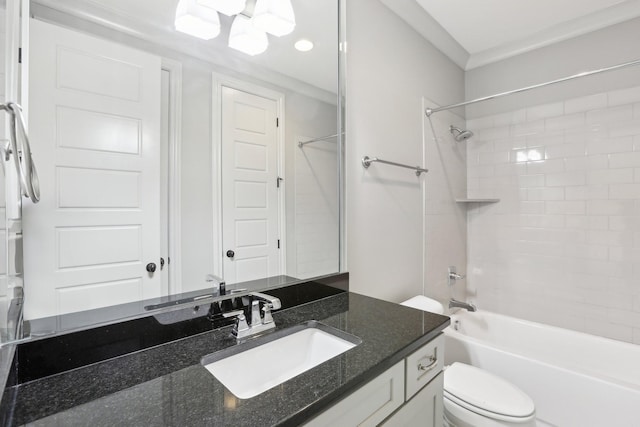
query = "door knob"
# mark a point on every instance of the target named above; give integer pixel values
(230, 254)
(151, 267)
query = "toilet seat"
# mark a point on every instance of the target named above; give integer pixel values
(487, 395)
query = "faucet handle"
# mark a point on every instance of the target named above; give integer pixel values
(267, 318)
(233, 313)
(241, 325)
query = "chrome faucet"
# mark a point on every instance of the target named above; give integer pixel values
(454, 303)
(219, 283)
(242, 329)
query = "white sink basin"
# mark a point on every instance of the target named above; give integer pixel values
(256, 366)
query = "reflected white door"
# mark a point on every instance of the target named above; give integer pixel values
(165, 105)
(250, 230)
(94, 120)
(3, 211)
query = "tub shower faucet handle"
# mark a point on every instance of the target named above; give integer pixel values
(453, 275)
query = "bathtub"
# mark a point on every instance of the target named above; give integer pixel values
(575, 379)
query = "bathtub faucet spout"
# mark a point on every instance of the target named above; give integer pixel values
(454, 303)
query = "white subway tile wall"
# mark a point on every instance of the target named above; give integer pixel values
(562, 246)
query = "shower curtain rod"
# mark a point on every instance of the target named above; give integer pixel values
(301, 143)
(430, 111)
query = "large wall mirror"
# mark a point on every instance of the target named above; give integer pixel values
(170, 157)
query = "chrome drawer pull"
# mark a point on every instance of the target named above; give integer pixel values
(430, 366)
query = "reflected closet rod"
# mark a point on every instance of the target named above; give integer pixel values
(430, 111)
(324, 138)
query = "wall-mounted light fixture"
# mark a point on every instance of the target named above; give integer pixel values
(199, 18)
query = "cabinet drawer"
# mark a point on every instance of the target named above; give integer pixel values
(368, 405)
(423, 365)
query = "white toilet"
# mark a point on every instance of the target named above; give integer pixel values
(474, 397)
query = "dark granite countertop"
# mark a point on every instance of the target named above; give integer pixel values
(167, 386)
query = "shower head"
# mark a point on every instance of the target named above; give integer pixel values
(459, 134)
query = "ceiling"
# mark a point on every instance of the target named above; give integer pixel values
(478, 32)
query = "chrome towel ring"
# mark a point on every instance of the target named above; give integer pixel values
(19, 146)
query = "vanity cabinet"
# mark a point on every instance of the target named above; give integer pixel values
(370, 404)
(409, 393)
(423, 409)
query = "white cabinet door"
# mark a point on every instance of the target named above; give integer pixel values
(424, 409)
(368, 405)
(249, 186)
(94, 120)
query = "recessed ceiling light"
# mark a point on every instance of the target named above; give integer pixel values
(303, 45)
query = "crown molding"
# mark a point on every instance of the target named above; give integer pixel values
(422, 22)
(567, 30)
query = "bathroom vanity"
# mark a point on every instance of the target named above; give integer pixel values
(392, 376)
(407, 394)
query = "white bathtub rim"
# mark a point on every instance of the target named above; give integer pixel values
(539, 325)
(592, 374)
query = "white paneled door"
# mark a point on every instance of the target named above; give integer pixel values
(250, 185)
(94, 120)
(3, 211)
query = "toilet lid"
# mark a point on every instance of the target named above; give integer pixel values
(482, 392)
(425, 304)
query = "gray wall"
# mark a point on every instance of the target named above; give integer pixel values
(390, 68)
